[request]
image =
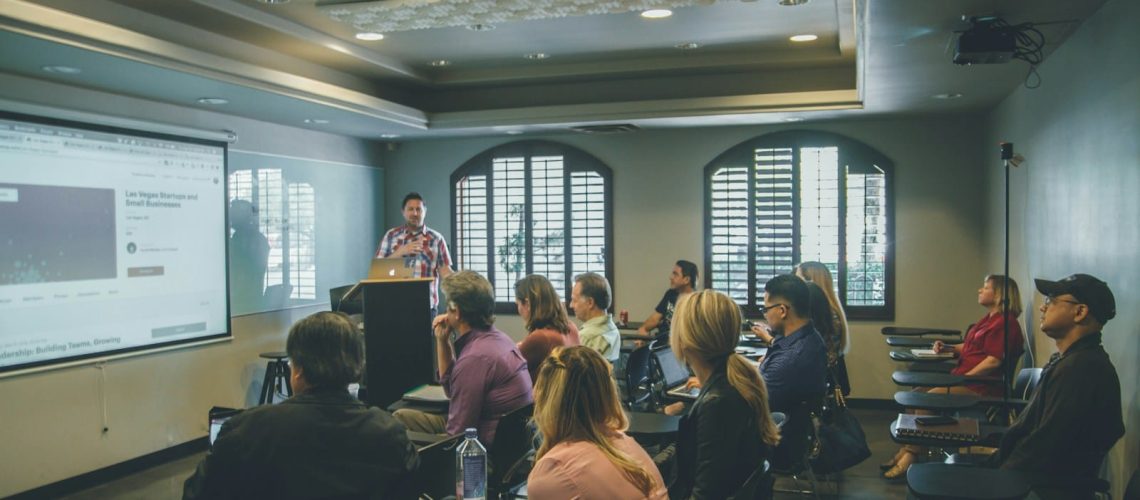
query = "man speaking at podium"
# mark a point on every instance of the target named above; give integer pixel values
(416, 240)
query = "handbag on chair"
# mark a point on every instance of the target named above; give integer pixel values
(841, 441)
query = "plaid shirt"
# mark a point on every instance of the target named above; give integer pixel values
(428, 263)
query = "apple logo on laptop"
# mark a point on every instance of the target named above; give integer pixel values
(391, 272)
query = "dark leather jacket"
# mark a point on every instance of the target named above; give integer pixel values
(718, 445)
(321, 444)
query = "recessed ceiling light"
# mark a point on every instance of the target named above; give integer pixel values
(538, 56)
(656, 13)
(792, 2)
(688, 46)
(316, 121)
(803, 38)
(439, 63)
(273, 2)
(514, 132)
(947, 96)
(214, 101)
(480, 27)
(63, 70)
(793, 119)
(389, 136)
(369, 36)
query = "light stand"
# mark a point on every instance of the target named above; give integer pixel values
(1007, 157)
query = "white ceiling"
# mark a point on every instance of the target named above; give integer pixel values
(290, 62)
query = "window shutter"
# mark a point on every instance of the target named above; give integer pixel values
(775, 217)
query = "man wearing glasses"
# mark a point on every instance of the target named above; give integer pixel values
(795, 368)
(1074, 415)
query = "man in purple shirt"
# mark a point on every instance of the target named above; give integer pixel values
(483, 373)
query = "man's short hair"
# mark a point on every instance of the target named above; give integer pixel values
(689, 270)
(328, 349)
(472, 295)
(597, 287)
(793, 290)
(409, 197)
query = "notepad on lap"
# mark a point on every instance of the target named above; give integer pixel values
(931, 354)
(427, 394)
(965, 430)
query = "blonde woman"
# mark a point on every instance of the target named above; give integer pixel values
(585, 454)
(547, 324)
(818, 273)
(728, 431)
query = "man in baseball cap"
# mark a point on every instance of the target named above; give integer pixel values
(1074, 415)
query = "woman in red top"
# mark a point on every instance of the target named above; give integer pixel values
(544, 315)
(980, 354)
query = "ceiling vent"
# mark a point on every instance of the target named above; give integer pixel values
(618, 128)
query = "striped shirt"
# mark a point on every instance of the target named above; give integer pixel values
(427, 264)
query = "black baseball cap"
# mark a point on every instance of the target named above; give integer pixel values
(1089, 290)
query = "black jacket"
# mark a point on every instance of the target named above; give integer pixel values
(718, 444)
(1073, 418)
(313, 445)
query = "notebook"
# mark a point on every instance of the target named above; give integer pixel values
(931, 354)
(965, 431)
(674, 374)
(427, 394)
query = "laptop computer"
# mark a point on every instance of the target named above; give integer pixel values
(218, 416)
(392, 268)
(674, 374)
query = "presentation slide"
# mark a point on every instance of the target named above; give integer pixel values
(111, 241)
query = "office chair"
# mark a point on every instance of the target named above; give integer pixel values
(511, 454)
(798, 445)
(638, 390)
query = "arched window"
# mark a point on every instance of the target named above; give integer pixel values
(533, 207)
(789, 197)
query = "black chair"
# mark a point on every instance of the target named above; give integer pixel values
(436, 476)
(638, 390)
(793, 455)
(511, 453)
(758, 486)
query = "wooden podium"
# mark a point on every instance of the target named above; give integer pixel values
(397, 336)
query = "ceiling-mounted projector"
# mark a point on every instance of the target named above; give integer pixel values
(988, 41)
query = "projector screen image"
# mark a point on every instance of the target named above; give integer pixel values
(111, 241)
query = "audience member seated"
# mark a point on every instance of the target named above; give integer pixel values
(483, 374)
(981, 353)
(544, 315)
(1074, 415)
(322, 442)
(795, 368)
(837, 339)
(682, 281)
(584, 453)
(590, 299)
(728, 431)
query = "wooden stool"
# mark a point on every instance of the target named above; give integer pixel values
(276, 376)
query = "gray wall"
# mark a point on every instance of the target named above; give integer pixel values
(52, 421)
(658, 216)
(1074, 203)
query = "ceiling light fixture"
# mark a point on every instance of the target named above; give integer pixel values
(316, 121)
(949, 95)
(389, 136)
(792, 3)
(537, 56)
(792, 119)
(63, 70)
(688, 46)
(803, 38)
(213, 101)
(369, 36)
(514, 132)
(480, 27)
(656, 13)
(439, 63)
(274, 2)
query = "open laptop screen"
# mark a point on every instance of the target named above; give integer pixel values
(672, 370)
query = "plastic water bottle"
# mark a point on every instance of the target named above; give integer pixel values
(471, 468)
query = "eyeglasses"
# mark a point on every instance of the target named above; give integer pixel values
(1053, 300)
(764, 309)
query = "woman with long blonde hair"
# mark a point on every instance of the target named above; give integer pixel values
(547, 323)
(585, 452)
(728, 432)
